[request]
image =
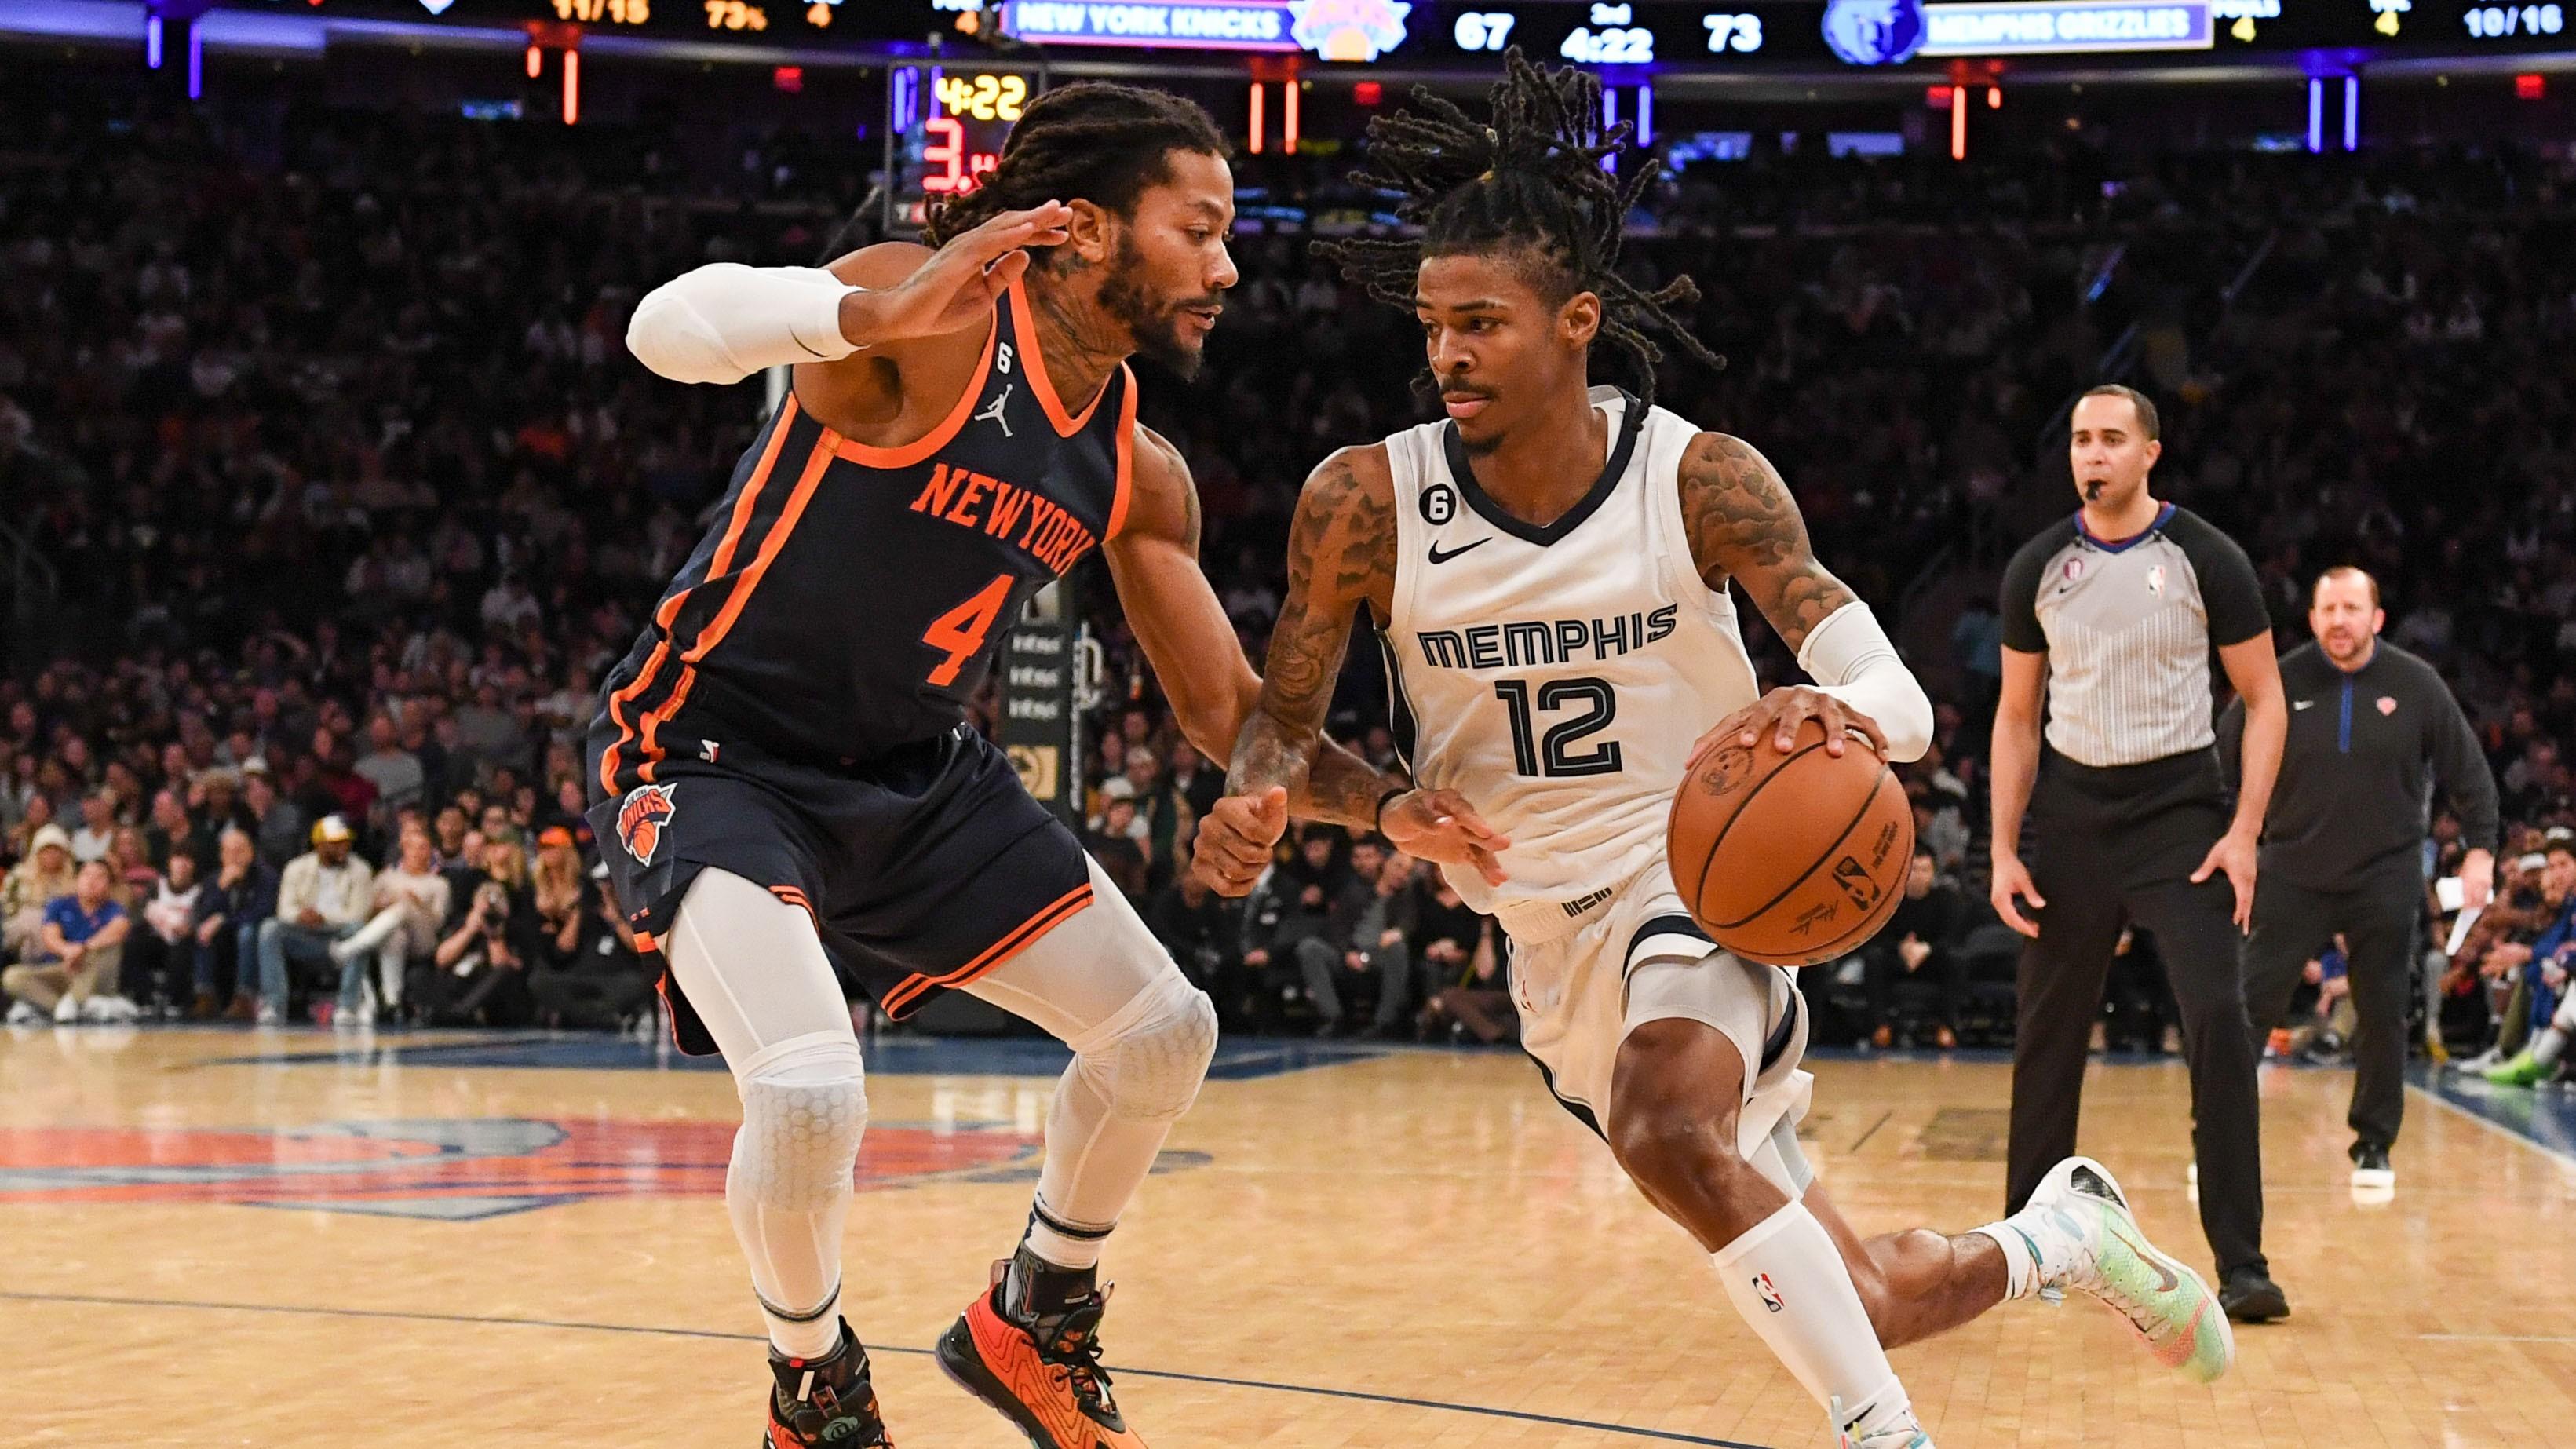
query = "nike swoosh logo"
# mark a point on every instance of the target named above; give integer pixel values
(1441, 558)
(2301, 703)
(2166, 1282)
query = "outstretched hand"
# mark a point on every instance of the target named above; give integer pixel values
(1440, 825)
(1781, 712)
(957, 286)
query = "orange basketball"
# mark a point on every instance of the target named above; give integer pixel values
(1791, 859)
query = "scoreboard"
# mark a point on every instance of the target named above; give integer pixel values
(945, 127)
(1663, 35)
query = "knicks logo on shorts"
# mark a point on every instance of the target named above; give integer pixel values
(641, 818)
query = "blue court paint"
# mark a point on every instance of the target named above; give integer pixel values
(1238, 1059)
(1665, 1436)
(2544, 1117)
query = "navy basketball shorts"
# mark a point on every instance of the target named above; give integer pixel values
(923, 868)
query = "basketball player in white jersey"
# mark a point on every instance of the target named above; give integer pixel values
(1559, 631)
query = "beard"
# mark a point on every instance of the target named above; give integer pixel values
(1156, 329)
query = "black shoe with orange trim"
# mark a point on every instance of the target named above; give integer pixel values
(1039, 1365)
(825, 1400)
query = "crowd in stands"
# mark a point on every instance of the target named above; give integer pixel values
(344, 494)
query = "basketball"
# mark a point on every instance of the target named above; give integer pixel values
(1791, 859)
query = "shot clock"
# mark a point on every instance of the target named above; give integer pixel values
(947, 126)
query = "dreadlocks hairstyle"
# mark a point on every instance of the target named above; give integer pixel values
(1532, 179)
(1102, 143)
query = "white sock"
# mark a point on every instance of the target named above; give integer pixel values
(1060, 1248)
(2021, 1258)
(1790, 1283)
(2547, 1047)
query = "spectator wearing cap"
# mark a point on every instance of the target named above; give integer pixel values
(48, 872)
(409, 902)
(322, 897)
(80, 954)
(238, 899)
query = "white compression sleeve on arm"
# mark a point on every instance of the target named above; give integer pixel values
(1851, 658)
(725, 321)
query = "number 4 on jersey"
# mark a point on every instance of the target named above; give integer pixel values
(960, 632)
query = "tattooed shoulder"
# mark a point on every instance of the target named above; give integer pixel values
(1744, 525)
(1166, 497)
(1342, 545)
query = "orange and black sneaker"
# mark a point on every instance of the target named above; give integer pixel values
(825, 1400)
(1038, 1363)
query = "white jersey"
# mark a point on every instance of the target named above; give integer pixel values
(1557, 677)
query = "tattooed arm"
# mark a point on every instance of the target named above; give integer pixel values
(1341, 554)
(1744, 526)
(1154, 561)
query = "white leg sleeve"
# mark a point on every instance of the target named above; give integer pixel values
(754, 969)
(1790, 1283)
(1142, 1037)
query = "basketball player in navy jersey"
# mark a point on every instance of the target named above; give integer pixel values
(1548, 570)
(787, 795)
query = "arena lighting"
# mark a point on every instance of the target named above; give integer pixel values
(1937, 97)
(1994, 98)
(1256, 118)
(572, 87)
(2529, 88)
(788, 78)
(1368, 93)
(152, 42)
(1958, 123)
(1645, 115)
(2316, 115)
(1609, 118)
(2352, 113)
(196, 62)
(536, 62)
(1288, 116)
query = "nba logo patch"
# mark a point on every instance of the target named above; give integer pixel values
(2156, 581)
(641, 818)
(1770, 1295)
(2387, 705)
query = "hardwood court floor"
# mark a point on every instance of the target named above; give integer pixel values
(214, 1238)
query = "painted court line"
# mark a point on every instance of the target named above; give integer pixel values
(2504, 1130)
(1662, 1435)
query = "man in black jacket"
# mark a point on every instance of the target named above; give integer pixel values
(2343, 844)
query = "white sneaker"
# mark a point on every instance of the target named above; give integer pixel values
(1905, 1434)
(271, 1016)
(66, 1012)
(2480, 1064)
(2090, 1241)
(24, 1013)
(110, 1010)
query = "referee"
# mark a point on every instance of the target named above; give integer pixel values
(2343, 849)
(2116, 610)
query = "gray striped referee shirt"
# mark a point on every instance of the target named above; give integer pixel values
(2128, 627)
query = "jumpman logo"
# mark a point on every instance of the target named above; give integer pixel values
(993, 414)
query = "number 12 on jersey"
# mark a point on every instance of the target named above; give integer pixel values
(1553, 756)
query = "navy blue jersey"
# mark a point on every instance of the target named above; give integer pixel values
(847, 599)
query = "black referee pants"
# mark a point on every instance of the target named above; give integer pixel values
(2380, 913)
(2111, 846)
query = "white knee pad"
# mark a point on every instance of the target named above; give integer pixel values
(1147, 1060)
(804, 1106)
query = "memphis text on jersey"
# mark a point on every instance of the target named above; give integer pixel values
(1543, 641)
(992, 507)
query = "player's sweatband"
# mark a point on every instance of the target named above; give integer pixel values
(725, 321)
(1850, 658)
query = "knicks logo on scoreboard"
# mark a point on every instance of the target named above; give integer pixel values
(1352, 30)
(640, 820)
(455, 1170)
